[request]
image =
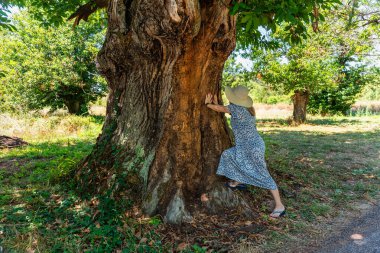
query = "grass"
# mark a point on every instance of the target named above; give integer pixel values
(39, 211)
(321, 167)
(365, 108)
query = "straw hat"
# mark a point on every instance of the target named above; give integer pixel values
(239, 96)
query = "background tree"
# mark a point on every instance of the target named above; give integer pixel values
(299, 70)
(160, 146)
(49, 66)
(327, 69)
(372, 90)
(339, 98)
(352, 41)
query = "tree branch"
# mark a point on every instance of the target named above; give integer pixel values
(373, 21)
(84, 11)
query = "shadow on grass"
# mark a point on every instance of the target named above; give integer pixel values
(335, 149)
(323, 122)
(334, 122)
(274, 122)
(58, 220)
(41, 163)
(316, 171)
(38, 204)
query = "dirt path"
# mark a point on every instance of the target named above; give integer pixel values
(361, 235)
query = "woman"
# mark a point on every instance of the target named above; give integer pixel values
(244, 163)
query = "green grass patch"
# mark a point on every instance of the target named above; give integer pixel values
(38, 211)
(322, 167)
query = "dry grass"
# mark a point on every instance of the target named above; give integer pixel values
(98, 110)
(278, 111)
(35, 127)
(365, 108)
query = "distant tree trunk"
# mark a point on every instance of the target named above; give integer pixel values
(75, 105)
(300, 100)
(72, 106)
(160, 145)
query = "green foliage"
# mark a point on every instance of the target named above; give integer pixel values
(48, 12)
(235, 74)
(5, 23)
(348, 46)
(338, 100)
(330, 65)
(299, 67)
(294, 15)
(53, 66)
(372, 89)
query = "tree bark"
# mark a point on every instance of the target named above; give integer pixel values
(300, 100)
(75, 105)
(72, 106)
(160, 145)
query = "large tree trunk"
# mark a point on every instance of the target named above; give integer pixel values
(160, 144)
(300, 100)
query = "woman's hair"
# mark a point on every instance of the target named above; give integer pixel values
(252, 111)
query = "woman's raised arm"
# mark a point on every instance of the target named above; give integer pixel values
(212, 103)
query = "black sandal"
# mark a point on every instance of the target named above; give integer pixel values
(237, 187)
(281, 213)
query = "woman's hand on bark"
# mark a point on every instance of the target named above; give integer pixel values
(215, 99)
(208, 99)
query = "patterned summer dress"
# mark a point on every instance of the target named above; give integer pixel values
(245, 161)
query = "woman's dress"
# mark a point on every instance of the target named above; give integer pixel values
(245, 162)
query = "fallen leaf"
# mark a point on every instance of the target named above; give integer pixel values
(247, 223)
(143, 240)
(204, 197)
(182, 246)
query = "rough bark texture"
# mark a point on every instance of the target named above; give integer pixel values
(160, 144)
(300, 100)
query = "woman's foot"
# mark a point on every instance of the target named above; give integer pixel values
(278, 212)
(233, 183)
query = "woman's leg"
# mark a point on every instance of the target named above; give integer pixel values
(233, 183)
(277, 199)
